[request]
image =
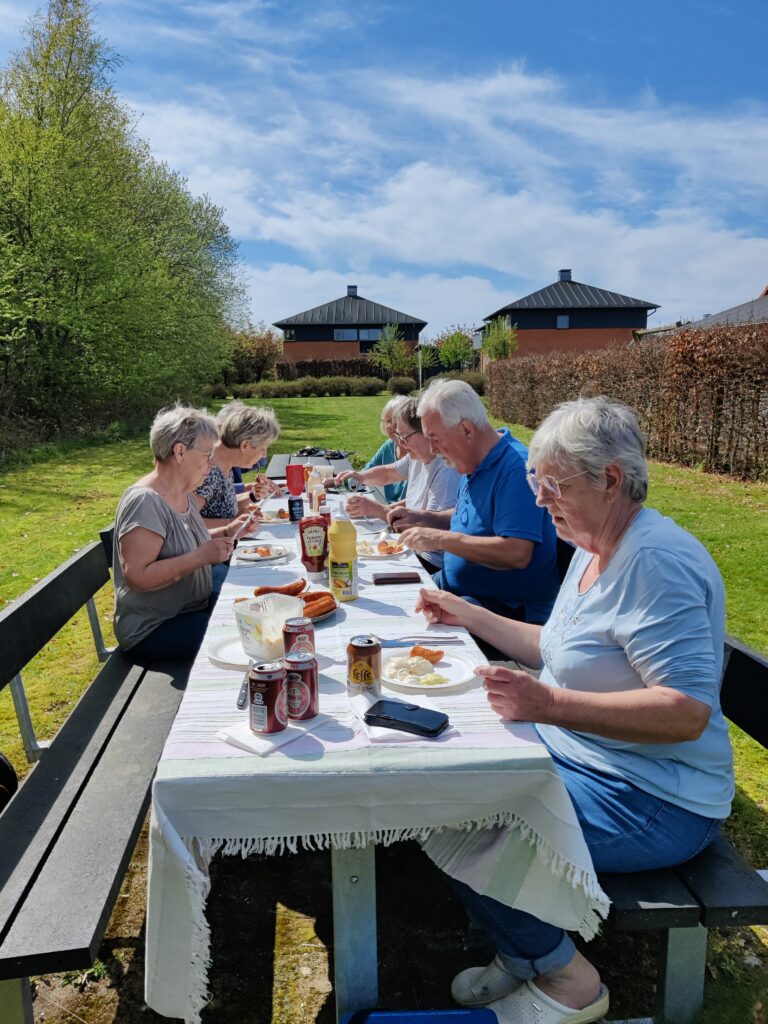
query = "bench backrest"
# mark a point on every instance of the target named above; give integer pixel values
(744, 693)
(36, 617)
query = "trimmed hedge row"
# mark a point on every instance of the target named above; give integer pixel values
(702, 395)
(309, 387)
(359, 366)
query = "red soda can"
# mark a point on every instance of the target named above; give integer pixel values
(301, 669)
(299, 635)
(268, 705)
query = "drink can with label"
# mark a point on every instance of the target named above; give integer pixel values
(295, 508)
(301, 674)
(364, 665)
(268, 704)
(299, 635)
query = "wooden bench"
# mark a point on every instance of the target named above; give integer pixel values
(716, 889)
(67, 836)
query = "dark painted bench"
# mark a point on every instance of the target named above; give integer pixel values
(716, 889)
(67, 836)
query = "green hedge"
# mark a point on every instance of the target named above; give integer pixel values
(359, 366)
(309, 387)
(401, 385)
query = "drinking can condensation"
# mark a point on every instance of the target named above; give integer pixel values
(268, 704)
(301, 682)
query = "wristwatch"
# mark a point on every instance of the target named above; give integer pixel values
(252, 496)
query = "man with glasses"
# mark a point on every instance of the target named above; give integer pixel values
(431, 484)
(499, 548)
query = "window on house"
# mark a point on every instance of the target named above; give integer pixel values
(563, 323)
(289, 334)
(345, 334)
(370, 333)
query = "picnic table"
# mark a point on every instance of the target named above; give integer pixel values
(276, 468)
(484, 799)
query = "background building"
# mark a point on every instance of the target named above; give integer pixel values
(343, 328)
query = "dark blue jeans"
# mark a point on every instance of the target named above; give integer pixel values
(181, 636)
(626, 829)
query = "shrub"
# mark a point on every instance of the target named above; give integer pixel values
(499, 340)
(454, 346)
(359, 366)
(474, 378)
(401, 385)
(361, 386)
(309, 387)
(254, 353)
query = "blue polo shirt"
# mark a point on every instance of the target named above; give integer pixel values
(496, 501)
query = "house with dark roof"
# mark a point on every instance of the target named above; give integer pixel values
(343, 328)
(568, 316)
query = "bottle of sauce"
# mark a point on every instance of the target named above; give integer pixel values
(313, 536)
(342, 559)
(314, 489)
(294, 478)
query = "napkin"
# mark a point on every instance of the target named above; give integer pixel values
(240, 735)
(376, 734)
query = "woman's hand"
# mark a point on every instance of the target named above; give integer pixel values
(516, 696)
(440, 606)
(238, 526)
(217, 549)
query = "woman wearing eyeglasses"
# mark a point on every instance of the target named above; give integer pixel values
(164, 584)
(628, 699)
(431, 484)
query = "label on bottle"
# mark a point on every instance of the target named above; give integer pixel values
(314, 541)
(343, 580)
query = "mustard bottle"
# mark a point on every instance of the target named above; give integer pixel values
(342, 559)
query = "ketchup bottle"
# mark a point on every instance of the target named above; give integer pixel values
(313, 534)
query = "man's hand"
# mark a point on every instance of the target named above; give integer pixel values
(516, 696)
(360, 505)
(345, 475)
(401, 518)
(423, 538)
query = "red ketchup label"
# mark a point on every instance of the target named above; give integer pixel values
(313, 531)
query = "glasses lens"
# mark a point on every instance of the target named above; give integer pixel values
(550, 484)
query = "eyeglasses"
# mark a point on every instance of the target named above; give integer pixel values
(207, 452)
(548, 483)
(403, 439)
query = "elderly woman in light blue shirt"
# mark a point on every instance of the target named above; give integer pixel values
(627, 701)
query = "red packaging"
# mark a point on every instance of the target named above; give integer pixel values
(313, 531)
(299, 635)
(294, 479)
(301, 674)
(268, 705)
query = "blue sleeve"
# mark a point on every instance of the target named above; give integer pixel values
(663, 623)
(515, 513)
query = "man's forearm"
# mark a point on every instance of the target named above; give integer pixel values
(490, 552)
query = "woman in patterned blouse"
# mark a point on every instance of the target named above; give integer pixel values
(245, 433)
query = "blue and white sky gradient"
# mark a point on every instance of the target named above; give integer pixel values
(450, 157)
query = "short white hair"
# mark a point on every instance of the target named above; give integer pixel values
(389, 412)
(180, 424)
(255, 424)
(587, 435)
(453, 401)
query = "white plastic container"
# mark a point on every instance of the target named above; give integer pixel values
(260, 621)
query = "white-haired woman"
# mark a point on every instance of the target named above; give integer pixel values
(164, 584)
(390, 451)
(245, 434)
(627, 702)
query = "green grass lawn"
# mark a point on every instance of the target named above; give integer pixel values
(50, 509)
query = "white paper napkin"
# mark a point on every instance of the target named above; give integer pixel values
(240, 735)
(376, 734)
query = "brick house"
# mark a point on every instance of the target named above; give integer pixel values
(568, 316)
(343, 328)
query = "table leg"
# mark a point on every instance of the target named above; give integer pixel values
(356, 980)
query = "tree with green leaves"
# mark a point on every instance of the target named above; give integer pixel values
(455, 348)
(499, 339)
(392, 353)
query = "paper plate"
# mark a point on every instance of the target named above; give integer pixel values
(458, 669)
(227, 652)
(278, 551)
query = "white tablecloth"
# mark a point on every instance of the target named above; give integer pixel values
(485, 801)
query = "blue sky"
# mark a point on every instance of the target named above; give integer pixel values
(450, 157)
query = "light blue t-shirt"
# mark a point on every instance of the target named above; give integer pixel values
(496, 501)
(655, 616)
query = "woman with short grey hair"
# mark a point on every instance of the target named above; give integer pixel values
(627, 702)
(390, 451)
(245, 433)
(165, 586)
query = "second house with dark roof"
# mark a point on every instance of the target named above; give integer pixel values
(343, 328)
(569, 316)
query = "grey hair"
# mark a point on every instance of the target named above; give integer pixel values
(453, 401)
(180, 424)
(408, 412)
(254, 424)
(389, 412)
(589, 434)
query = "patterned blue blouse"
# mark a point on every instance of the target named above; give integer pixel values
(218, 490)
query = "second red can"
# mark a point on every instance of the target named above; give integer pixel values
(301, 679)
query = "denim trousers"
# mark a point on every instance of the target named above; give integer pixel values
(625, 828)
(181, 636)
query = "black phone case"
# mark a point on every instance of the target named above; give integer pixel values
(394, 714)
(382, 579)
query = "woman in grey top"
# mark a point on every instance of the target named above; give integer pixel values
(164, 584)
(245, 433)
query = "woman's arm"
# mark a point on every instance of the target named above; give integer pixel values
(143, 571)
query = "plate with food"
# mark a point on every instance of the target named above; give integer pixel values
(275, 515)
(251, 552)
(424, 669)
(379, 547)
(319, 604)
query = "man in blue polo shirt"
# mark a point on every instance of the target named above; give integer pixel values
(500, 548)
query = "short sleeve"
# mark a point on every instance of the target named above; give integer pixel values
(141, 508)
(663, 623)
(402, 466)
(515, 513)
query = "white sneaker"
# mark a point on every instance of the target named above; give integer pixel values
(477, 986)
